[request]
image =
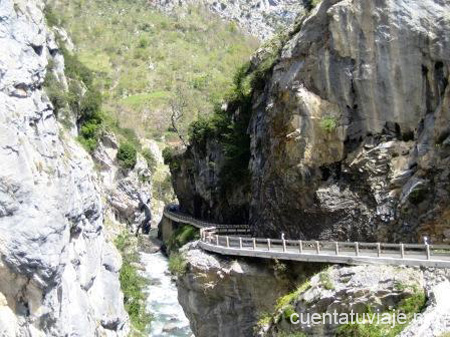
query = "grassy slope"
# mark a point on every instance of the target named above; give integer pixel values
(144, 59)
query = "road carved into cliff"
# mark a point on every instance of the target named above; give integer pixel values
(235, 240)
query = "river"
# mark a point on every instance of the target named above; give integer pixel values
(162, 303)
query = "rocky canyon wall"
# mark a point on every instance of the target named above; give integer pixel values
(58, 273)
(349, 130)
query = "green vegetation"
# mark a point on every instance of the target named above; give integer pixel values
(326, 281)
(150, 159)
(229, 126)
(177, 264)
(127, 156)
(290, 298)
(229, 130)
(329, 123)
(183, 235)
(408, 306)
(50, 17)
(265, 319)
(83, 97)
(134, 51)
(445, 334)
(132, 284)
(54, 89)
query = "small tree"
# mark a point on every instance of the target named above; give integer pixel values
(127, 156)
(178, 106)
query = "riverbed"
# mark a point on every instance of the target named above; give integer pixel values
(168, 316)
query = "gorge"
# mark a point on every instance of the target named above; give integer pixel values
(303, 120)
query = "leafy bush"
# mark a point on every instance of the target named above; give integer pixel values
(89, 134)
(292, 296)
(408, 306)
(328, 123)
(132, 285)
(177, 264)
(167, 154)
(54, 90)
(85, 104)
(150, 159)
(76, 70)
(90, 105)
(127, 156)
(288, 311)
(50, 17)
(183, 235)
(143, 42)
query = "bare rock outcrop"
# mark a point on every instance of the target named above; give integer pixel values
(352, 131)
(58, 273)
(225, 297)
(349, 130)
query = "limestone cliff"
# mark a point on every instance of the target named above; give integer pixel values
(58, 273)
(349, 130)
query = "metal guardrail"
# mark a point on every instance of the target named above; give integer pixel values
(223, 239)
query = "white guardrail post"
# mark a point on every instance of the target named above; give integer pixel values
(209, 233)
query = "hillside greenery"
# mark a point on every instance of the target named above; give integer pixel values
(132, 285)
(144, 60)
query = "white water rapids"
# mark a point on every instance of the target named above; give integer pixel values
(168, 316)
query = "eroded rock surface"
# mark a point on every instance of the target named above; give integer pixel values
(346, 290)
(352, 131)
(225, 297)
(349, 134)
(58, 274)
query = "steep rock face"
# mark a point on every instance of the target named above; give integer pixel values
(261, 18)
(128, 192)
(351, 138)
(223, 297)
(196, 178)
(58, 275)
(350, 135)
